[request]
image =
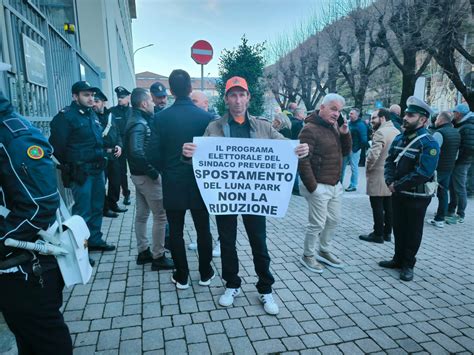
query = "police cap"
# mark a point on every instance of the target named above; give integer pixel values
(121, 92)
(82, 86)
(158, 89)
(415, 105)
(99, 95)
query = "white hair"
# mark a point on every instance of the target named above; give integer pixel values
(333, 97)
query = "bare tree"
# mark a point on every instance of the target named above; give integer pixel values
(356, 50)
(404, 28)
(454, 21)
(305, 68)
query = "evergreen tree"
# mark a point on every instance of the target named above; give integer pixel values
(247, 62)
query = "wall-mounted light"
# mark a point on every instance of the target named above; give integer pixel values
(69, 28)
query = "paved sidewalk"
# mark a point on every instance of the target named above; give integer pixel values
(128, 309)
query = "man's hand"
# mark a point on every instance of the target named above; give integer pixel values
(302, 150)
(189, 149)
(344, 129)
(391, 187)
(118, 151)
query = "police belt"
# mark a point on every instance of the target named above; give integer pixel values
(418, 191)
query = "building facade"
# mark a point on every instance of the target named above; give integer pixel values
(50, 44)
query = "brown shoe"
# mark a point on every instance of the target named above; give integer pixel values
(328, 259)
(311, 264)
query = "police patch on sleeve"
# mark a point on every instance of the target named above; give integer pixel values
(433, 152)
(35, 152)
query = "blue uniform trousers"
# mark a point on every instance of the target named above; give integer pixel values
(32, 312)
(89, 203)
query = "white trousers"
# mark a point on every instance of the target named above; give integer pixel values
(324, 213)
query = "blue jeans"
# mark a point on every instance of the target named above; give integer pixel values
(354, 161)
(345, 161)
(443, 180)
(457, 190)
(88, 203)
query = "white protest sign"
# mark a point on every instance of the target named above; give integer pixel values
(245, 176)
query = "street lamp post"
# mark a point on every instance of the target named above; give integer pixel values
(136, 50)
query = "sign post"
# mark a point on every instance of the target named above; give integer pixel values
(245, 176)
(201, 52)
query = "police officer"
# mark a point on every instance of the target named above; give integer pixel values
(122, 112)
(411, 162)
(159, 96)
(76, 136)
(31, 284)
(112, 151)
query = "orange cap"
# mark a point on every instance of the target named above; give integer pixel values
(236, 81)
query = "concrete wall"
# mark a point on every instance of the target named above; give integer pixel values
(103, 38)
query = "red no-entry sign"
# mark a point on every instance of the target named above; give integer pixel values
(201, 52)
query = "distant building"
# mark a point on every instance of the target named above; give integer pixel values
(52, 44)
(146, 79)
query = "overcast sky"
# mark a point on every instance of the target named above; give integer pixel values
(174, 25)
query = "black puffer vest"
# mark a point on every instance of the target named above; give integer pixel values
(450, 147)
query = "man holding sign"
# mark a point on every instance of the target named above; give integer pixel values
(237, 123)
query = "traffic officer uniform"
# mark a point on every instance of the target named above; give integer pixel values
(410, 201)
(112, 139)
(76, 135)
(121, 115)
(31, 284)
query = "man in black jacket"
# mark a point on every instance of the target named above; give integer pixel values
(173, 127)
(147, 183)
(449, 140)
(122, 112)
(112, 151)
(31, 284)
(464, 122)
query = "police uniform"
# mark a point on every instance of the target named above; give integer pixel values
(112, 139)
(76, 136)
(31, 285)
(122, 114)
(410, 200)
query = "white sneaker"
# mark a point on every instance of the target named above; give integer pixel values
(227, 299)
(207, 282)
(269, 304)
(216, 252)
(178, 285)
(437, 224)
(192, 246)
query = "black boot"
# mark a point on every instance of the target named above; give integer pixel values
(390, 264)
(117, 209)
(144, 257)
(162, 263)
(387, 237)
(406, 274)
(126, 200)
(110, 214)
(372, 238)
